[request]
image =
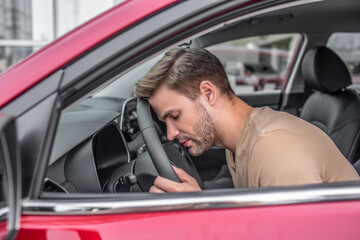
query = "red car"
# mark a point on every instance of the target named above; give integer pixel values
(73, 161)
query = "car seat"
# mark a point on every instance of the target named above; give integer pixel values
(332, 107)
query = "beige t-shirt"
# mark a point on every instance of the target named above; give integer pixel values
(278, 149)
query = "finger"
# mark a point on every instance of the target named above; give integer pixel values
(166, 184)
(183, 176)
(154, 189)
(189, 183)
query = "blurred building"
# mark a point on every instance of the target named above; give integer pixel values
(27, 25)
(15, 25)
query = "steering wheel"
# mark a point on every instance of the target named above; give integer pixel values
(158, 154)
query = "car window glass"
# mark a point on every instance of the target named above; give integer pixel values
(123, 86)
(347, 47)
(258, 63)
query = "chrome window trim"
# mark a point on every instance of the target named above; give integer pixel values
(206, 200)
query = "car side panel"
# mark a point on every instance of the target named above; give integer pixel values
(3, 230)
(330, 220)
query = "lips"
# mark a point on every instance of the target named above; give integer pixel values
(186, 143)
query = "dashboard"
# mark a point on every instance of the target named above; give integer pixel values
(96, 148)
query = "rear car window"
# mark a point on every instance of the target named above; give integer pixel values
(259, 63)
(347, 46)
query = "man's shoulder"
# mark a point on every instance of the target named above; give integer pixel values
(266, 123)
(269, 120)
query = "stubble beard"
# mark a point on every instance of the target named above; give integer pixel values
(204, 133)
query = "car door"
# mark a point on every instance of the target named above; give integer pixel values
(9, 179)
(320, 212)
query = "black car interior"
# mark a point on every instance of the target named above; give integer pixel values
(332, 107)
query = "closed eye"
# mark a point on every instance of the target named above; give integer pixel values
(175, 116)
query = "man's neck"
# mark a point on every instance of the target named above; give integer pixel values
(231, 118)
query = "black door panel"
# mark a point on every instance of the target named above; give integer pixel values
(292, 103)
(264, 98)
(213, 170)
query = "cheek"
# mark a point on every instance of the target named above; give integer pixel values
(186, 124)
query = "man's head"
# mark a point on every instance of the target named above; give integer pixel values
(183, 70)
(182, 88)
(249, 70)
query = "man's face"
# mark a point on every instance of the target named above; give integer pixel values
(186, 120)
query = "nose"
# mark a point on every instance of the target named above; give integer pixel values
(171, 132)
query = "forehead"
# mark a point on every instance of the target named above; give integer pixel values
(165, 99)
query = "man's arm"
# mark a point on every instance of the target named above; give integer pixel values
(188, 183)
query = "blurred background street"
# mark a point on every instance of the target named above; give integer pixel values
(27, 25)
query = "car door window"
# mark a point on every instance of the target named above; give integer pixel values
(347, 46)
(259, 63)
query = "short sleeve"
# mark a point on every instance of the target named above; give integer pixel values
(282, 159)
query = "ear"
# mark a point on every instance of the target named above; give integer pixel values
(208, 91)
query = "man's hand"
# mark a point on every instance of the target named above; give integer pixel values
(189, 184)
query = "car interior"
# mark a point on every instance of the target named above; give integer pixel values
(332, 107)
(100, 145)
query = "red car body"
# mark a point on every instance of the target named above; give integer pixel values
(303, 221)
(320, 219)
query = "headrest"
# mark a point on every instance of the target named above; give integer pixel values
(324, 70)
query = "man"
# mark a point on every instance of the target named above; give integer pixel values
(190, 92)
(251, 78)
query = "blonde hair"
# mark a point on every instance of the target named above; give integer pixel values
(183, 70)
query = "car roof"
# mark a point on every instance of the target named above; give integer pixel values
(320, 18)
